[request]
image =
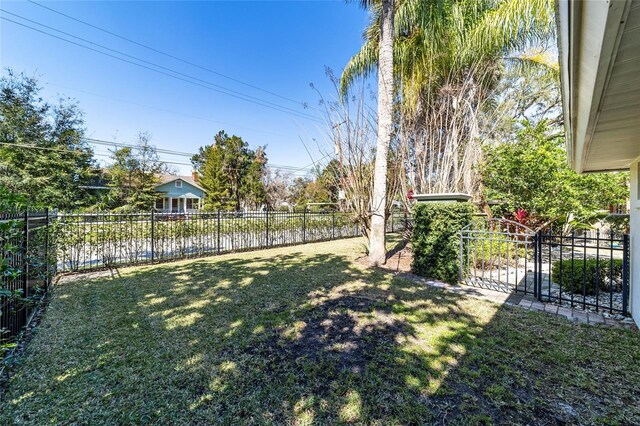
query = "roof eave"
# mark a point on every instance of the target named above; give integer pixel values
(562, 20)
(195, 185)
(582, 92)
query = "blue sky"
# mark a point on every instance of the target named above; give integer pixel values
(277, 46)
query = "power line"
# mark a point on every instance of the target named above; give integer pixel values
(172, 56)
(221, 89)
(119, 144)
(189, 154)
(188, 79)
(164, 110)
(150, 63)
(293, 170)
(180, 153)
(67, 151)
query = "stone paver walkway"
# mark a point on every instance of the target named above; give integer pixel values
(527, 302)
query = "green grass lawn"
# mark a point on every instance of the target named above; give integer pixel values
(305, 335)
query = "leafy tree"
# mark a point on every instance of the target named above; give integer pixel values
(253, 185)
(532, 174)
(448, 57)
(42, 153)
(330, 178)
(523, 95)
(208, 164)
(11, 202)
(310, 191)
(231, 173)
(298, 189)
(324, 188)
(135, 174)
(278, 187)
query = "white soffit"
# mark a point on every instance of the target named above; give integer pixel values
(599, 44)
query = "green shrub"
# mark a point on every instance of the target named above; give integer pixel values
(487, 250)
(436, 238)
(590, 274)
(618, 223)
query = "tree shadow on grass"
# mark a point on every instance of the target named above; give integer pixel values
(533, 368)
(312, 339)
(284, 339)
(292, 338)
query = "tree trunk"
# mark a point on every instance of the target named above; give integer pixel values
(377, 249)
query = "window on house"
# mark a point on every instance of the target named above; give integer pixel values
(192, 203)
(178, 184)
(160, 203)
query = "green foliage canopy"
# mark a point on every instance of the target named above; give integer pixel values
(438, 42)
(231, 173)
(134, 175)
(323, 188)
(531, 173)
(42, 154)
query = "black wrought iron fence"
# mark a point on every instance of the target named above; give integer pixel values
(585, 270)
(399, 221)
(98, 240)
(498, 254)
(26, 268)
(37, 245)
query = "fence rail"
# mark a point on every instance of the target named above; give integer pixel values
(36, 246)
(588, 270)
(25, 270)
(92, 241)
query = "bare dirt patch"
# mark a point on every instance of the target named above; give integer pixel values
(399, 259)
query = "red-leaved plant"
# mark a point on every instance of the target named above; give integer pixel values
(521, 216)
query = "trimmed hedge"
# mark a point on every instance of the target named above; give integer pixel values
(587, 274)
(436, 238)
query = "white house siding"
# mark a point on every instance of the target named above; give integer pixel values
(599, 46)
(635, 240)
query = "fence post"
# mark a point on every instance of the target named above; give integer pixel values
(535, 266)
(333, 224)
(25, 266)
(304, 225)
(153, 235)
(47, 263)
(539, 277)
(460, 255)
(218, 233)
(625, 274)
(267, 226)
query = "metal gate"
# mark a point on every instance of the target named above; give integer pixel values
(498, 254)
(585, 269)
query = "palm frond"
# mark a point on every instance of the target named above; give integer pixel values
(540, 57)
(362, 64)
(511, 25)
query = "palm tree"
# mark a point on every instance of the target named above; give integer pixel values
(384, 39)
(447, 59)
